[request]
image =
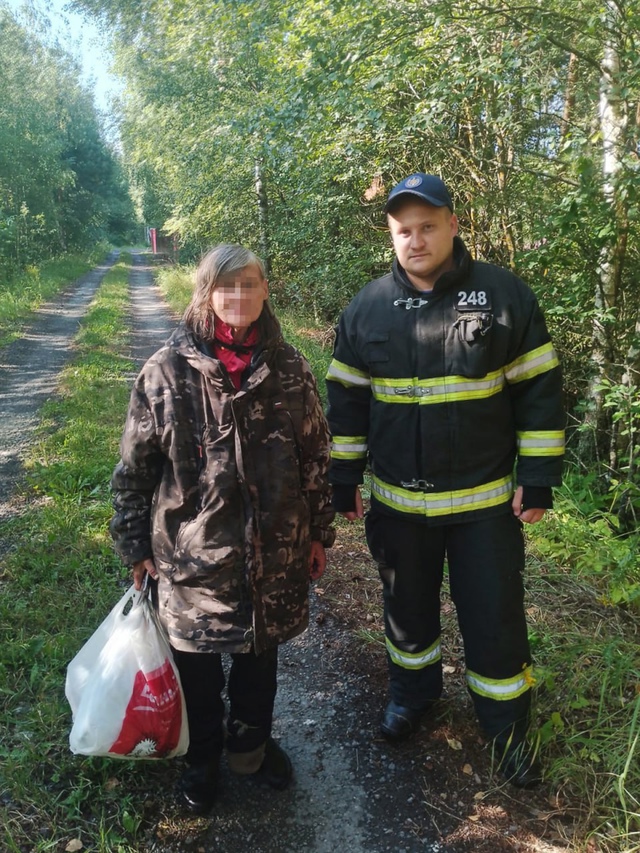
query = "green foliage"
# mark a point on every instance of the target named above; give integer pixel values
(586, 703)
(61, 187)
(283, 126)
(585, 535)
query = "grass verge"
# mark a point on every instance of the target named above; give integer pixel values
(59, 579)
(587, 692)
(28, 290)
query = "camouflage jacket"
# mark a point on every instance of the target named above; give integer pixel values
(225, 489)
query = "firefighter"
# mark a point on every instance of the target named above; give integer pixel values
(445, 381)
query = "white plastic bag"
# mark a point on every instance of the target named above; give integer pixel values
(124, 688)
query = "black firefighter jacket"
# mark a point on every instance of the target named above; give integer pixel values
(225, 490)
(443, 392)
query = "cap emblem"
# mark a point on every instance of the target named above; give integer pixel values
(415, 181)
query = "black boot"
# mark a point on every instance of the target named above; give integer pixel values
(198, 787)
(276, 769)
(520, 766)
(398, 721)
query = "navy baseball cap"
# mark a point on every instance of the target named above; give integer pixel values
(429, 188)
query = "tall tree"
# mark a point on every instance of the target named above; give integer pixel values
(59, 180)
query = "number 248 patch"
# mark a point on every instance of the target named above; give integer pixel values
(473, 299)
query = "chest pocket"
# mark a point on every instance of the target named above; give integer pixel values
(377, 347)
(472, 333)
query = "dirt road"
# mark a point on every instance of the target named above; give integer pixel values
(29, 368)
(351, 791)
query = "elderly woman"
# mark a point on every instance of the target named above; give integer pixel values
(221, 495)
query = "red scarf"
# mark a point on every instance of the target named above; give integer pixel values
(234, 356)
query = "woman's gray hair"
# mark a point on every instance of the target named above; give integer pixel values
(216, 264)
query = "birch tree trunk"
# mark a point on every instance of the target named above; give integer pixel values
(613, 122)
(263, 216)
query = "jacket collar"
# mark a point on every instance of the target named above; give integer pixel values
(200, 356)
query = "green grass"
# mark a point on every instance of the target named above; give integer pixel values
(587, 692)
(586, 540)
(22, 294)
(176, 284)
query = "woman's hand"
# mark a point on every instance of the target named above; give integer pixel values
(141, 568)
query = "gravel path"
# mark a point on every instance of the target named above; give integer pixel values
(151, 323)
(350, 792)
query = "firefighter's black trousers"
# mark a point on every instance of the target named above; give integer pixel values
(485, 560)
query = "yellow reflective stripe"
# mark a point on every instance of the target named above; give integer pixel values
(438, 390)
(407, 660)
(532, 363)
(349, 447)
(501, 689)
(541, 443)
(339, 372)
(442, 503)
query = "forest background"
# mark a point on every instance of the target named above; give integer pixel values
(283, 126)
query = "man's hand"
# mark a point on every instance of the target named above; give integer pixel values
(359, 510)
(528, 516)
(141, 568)
(317, 561)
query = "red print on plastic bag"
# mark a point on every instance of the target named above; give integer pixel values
(152, 721)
